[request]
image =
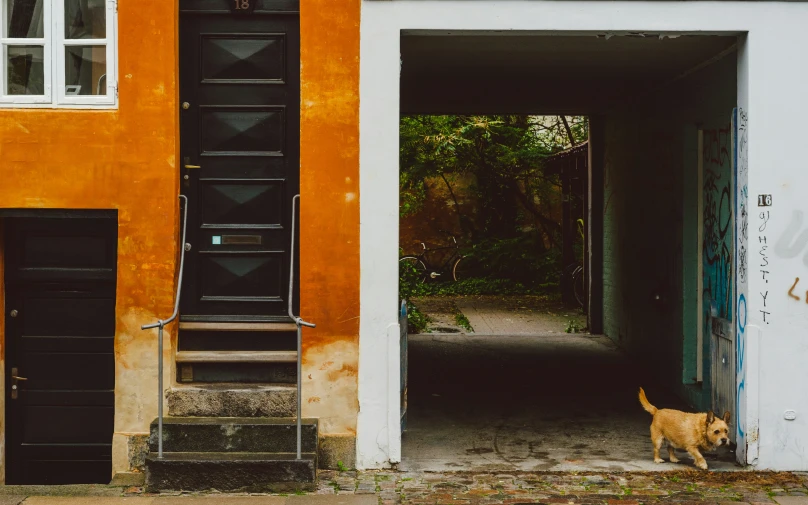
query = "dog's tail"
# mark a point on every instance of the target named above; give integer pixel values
(646, 404)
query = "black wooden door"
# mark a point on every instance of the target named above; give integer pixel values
(60, 362)
(239, 128)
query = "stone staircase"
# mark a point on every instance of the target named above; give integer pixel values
(231, 424)
(232, 454)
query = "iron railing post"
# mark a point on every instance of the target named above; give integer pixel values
(299, 323)
(160, 324)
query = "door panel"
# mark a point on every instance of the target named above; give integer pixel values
(239, 75)
(60, 285)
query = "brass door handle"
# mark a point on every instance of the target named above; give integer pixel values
(15, 390)
(192, 166)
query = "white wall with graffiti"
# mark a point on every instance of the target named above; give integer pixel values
(763, 280)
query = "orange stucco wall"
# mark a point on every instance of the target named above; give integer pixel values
(126, 160)
(123, 159)
(329, 188)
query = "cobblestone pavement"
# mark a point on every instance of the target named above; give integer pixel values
(681, 488)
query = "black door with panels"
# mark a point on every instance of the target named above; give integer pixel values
(239, 128)
(60, 276)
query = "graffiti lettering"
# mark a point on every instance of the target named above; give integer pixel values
(764, 259)
(793, 287)
(791, 291)
(742, 239)
(764, 216)
(717, 245)
(743, 236)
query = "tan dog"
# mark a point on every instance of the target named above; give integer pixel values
(683, 430)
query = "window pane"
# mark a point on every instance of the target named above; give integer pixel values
(24, 19)
(26, 70)
(85, 70)
(85, 19)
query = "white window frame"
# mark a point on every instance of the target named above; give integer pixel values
(55, 44)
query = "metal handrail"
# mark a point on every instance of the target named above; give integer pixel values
(298, 321)
(161, 324)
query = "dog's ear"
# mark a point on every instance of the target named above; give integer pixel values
(710, 418)
(726, 417)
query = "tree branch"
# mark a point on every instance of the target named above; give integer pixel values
(569, 131)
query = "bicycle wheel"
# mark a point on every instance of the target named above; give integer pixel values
(463, 268)
(578, 285)
(415, 266)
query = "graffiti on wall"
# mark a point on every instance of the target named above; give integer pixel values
(763, 244)
(741, 159)
(790, 245)
(718, 237)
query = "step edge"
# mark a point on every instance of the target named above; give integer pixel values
(209, 420)
(170, 456)
(233, 386)
(236, 357)
(257, 327)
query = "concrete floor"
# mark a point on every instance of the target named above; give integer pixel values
(532, 403)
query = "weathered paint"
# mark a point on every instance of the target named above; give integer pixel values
(329, 212)
(126, 159)
(119, 159)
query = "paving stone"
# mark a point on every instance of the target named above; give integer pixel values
(791, 500)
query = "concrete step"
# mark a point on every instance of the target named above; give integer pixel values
(236, 357)
(236, 326)
(232, 400)
(230, 472)
(228, 434)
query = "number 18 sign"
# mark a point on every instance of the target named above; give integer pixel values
(242, 6)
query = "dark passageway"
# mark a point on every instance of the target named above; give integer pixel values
(531, 403)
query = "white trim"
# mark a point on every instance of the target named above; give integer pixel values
(378, 255)
(45, 41)
(54, 58)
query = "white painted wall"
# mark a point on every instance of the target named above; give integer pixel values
(771, 81)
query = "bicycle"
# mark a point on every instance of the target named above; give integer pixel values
(427, 270)
(576, 273)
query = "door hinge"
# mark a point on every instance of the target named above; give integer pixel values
(114, 87)
(114, 5)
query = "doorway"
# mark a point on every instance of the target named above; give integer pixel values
(646, 97)
(60, 278)
(239, 143)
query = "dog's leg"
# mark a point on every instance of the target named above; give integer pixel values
(698, 459)
(657, 439)
(672, 454)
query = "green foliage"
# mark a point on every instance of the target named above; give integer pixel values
(572, 327)
(483, 286)
(462, 321)
(519, 258)
(410, 285)
(417, 321)
(409, 280)
(504, 153)
(341, 466)
(502, 158)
